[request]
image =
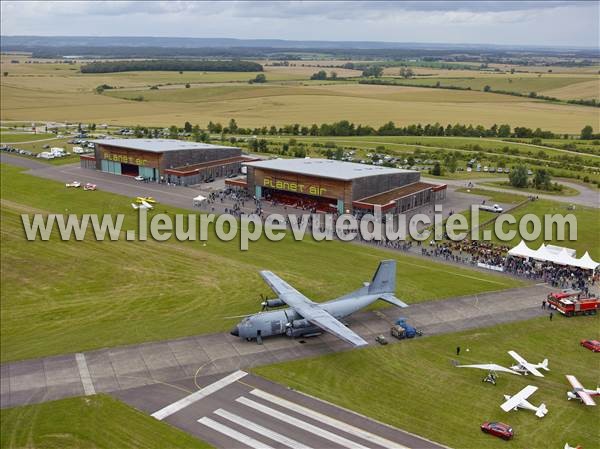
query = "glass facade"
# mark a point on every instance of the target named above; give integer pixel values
(111, 167)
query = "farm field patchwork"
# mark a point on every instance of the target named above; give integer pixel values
(390, 383)
(59, 92)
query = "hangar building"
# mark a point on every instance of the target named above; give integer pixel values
(330, 185)
(165, 160)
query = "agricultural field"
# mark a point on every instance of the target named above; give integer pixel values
(561, 86)
(390, 383)
(98, 422)
(59, 92)
(60, 297)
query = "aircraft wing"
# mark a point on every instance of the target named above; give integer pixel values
(490, 366)
(525, 364)
(147, 205)
(310, 310)
(578, 388)
(521, 396)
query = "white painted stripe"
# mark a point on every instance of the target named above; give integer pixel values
(196, 396)
(282, 439)
(234, 434)
(84, 373)
(328, 420)
(307, 427)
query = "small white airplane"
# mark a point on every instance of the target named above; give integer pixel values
(524, 367)
(519, 400)
(580, 393)
(571, 447)
(142, 205)
(73, 184)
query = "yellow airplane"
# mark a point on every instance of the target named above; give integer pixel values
(147, 199)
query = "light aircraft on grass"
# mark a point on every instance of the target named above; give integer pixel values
(304, 317)
(578, 392)
(522, 367)
(143, 205)
(519, 400)
(147, 199)
(73, 184)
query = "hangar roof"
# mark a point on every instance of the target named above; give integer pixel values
(157, 145)
(326, 168)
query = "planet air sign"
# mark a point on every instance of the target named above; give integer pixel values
(294, 186)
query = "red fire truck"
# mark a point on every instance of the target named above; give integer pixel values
(571, 303)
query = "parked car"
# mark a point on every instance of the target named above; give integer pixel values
(139, 178)
(208, 180)
(500, 169)
(498, 429)
(592, 345)
(381, 340)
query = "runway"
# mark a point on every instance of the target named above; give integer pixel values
(114, 369)
(241, 410)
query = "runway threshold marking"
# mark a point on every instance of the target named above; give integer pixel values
(282, 439)
(348, 428)
(197, 395)
(300, 424)
(234, 434)
(84, 373)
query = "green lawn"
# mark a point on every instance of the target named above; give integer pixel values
(60, 297)
(10, 137)
(566, 191)
(92, 422)
(413, 385)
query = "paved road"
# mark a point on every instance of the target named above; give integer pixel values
(244, 411)
(114, 369)
(587, 196)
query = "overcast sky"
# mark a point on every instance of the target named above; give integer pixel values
(560, 23)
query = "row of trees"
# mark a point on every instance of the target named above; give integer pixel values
(172, 65)
(322, 75)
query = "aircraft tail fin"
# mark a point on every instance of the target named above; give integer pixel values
(544, 365)
(384, 279)
(541, 411)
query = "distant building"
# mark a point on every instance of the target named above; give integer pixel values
(330, 185)
(165, 160)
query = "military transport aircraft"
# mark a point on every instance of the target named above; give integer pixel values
(305, 317)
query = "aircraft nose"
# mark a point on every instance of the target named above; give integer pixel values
(235, 332)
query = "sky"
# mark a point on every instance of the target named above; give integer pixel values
(558, 23)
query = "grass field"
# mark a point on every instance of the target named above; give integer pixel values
(566, 191)
(60, 297)
(13, 137)
(413, 385)
(98, 422)
(60, 92)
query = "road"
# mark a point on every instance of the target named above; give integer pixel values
(115, 369)
(587, 196)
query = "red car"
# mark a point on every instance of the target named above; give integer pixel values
(592, 345)
(498, 429)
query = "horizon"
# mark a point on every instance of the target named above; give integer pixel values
(529, 23)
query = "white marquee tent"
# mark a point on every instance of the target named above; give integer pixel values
(554, 254)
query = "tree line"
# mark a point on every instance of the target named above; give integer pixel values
(172, 65)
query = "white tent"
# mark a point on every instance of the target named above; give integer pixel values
(522, 250)
(198, 200)
(587, 262)
(555, 254)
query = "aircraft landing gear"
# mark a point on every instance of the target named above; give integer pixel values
(258, 338)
